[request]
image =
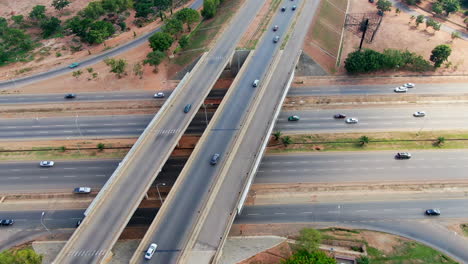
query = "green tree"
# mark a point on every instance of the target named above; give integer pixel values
(188, 16)
(23, 256)
(60, 4)
(384, 5)
(138, 70)
(38, 12)
(364, 61)
(440, 54)
(3, 23)
(437, 8)
(77, 73)
(277, 135)
(161, 41)
(209, 9)
(19, 19)
(440, 141)
(184, 41)
(286, 140)
(143, 8)
(450, 6)
(309, 239)
(116, 66)
(101, 146)
(304, 257)
(173, 27)
(14, 44)
(93, 10)
(419, 20)
(363, 260)
(50, 26)
(99, 31)
(154, 58)
(363, 140)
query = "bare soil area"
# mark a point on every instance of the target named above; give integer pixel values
(397, 32)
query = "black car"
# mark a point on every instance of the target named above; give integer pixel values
(6, 222)
(432, 212)
(283, 9)
(78, 223)
(187, 108)
(403, 155)
(339, 116)
(70, 96)
(293, 8)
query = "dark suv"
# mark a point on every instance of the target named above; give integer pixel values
(432, 212)
(70, 96)
(214, 159)
(6, 222)
(403, 155)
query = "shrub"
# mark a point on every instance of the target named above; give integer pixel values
(101, 146)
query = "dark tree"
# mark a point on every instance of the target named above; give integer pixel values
(161, 41)
(60, 4)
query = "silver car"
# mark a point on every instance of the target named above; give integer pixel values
(400, 89)
(158, 95)
(419, 114)
(352, 120)
(408, 85)
(46, 163)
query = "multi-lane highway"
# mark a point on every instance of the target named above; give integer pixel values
(175, 226)
(395, 118)
(424, 88)
(333, 167)
(88, 126)
(91, 97)
(405, 217)
(89, 61)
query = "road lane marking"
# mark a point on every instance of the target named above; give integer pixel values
(307, 213)
(69, 168)
(253, 214)
(280, 213)
(100, 175)
(69, 176)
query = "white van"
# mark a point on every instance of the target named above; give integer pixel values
(150, 252)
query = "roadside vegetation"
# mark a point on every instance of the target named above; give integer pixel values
(16, 256)
(370, 141)
(464, 228)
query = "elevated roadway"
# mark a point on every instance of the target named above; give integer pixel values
(177, 220)
(93, 240)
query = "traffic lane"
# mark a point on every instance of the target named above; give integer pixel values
(398, 118)
(421, 88)
(356, 212)
(380, 166)
(90, 61)
(29, 177)
(93, 97)
(184, 207)
(85, 126)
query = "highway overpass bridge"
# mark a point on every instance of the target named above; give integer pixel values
(192, 223)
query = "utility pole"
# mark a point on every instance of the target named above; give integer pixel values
(366, 24)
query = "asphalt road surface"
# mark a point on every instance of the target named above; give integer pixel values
(91, 97)
(333, 167)
(26, 177)
(176, 225)
(368, 166)
(397, 118)
(88, 126)
(403, 218)
(101, 228)
(424, 88)
(89, 61)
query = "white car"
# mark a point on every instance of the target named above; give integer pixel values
(158, 95)
(351, 120)
(46, 163)
(400, 89)
(82, 190)
(150, 251)
(408, 85)
(419, 114)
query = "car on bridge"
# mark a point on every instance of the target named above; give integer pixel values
(293, 8)
(6, 222)
(150, 251)
(294, 118)
(276, 39)
(419, 114)
(82, 190)
(403, 155)
(283, 9)
(74, 65)
(187, 108)
(46, 163)
(214, 159)
(275, 28)
(352, 120)
(432, 212)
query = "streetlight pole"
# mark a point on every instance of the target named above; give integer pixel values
(157, 188)
(42, 222)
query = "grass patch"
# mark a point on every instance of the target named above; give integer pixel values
(45, 154)
(326, 38)
(378, 141)
(206, 31)
(412, 252)
(464, 227)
